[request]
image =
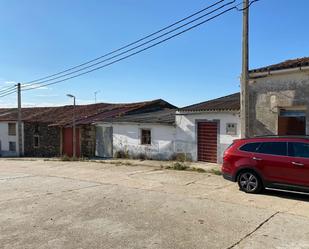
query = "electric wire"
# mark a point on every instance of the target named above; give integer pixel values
(130, 44)
(8, 91)
(137, 52)
(134, 48)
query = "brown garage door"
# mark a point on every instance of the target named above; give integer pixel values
(207, 141)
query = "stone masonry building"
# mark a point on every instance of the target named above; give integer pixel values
(279, 99)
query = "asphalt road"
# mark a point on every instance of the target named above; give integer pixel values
(47, 204)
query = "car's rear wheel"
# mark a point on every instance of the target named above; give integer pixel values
(250, 182)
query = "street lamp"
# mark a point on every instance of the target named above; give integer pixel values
(74, 129)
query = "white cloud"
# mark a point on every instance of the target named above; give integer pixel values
(10, 82)
(46, 95)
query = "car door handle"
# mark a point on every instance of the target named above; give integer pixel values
(257, 159)
(298, 164)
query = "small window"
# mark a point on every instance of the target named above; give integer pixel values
(36, 129)
(274, 148)
(299, 150)
(12, 129)
(12, 146)
(231, 129)
(36, 141)
(145, 136)
(250, 147)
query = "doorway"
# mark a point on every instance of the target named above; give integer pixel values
(292, 122)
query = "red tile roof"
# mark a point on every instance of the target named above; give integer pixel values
(226, 103)
(294, 63)
(85, 114)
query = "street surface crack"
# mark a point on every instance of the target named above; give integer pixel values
(15, 177)
(189, 183)
(252, 232)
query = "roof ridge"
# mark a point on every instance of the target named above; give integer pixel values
(211, 100)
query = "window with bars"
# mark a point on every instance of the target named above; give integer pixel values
(145, 136)
(12, 129)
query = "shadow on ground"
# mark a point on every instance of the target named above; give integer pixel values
(298, 196)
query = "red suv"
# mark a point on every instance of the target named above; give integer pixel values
(271, 162)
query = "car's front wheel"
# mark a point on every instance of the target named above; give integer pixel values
(250, 182)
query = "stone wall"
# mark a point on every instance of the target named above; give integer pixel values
(49, 140)
(269, 94)
(88, 140)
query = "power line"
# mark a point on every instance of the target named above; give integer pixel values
(137, 52)
(8, 93)
(141, 50)
(6, 89)
(130, 44)
(134, 48)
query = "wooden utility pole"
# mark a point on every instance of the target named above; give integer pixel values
(19, 125)
(74, 130)
(244, 98)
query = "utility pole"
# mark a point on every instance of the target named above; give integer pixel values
(19, 125)
(74, 130)
(74, 126)
(244, 96)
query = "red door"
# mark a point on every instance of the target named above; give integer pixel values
(67, 145)
(207, 134)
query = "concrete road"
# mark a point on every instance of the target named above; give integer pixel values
(92, 205)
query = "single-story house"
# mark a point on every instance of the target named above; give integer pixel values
(140, 135)
(279, 99)
(199, 132)
(206, 129)
(47, 131)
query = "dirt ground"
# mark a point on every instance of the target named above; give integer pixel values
(50, 204)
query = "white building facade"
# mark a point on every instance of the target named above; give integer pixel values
(145, 135)
(136, 140)
(200, 132)
(9, 139)
(224, 128)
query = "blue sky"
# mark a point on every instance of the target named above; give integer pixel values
(39, 38)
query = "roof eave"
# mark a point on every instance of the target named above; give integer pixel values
(207, 111)
(266, 73)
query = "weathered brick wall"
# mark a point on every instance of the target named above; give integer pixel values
(88, 139)
(269, 94)
(49, 140)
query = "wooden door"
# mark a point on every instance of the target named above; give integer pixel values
(67, 147)
(291, 126)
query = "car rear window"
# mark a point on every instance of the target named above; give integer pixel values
(274, 148)
(299, 149)
(250, 147)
